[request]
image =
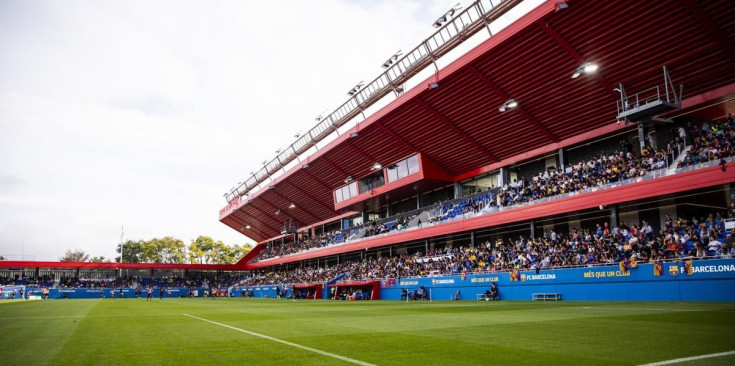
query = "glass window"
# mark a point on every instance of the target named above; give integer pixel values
(338, 194)
(402, 169)
(353, 189)
(392, 175)
(413, 164)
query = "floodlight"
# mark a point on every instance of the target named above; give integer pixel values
(349, 179)
(247, 227)
(353, 134)
(356, 89)
(509, 104)
(392, 59)
(444, 18)
(433, 85)
(376, 166)
(292, 205)
(585, 68)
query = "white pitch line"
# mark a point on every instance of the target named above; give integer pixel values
(693, 358)
(323, 353)
(635, 309)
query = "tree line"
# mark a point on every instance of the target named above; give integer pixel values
(202, 250)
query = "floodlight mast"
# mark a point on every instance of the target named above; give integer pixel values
(462, 25)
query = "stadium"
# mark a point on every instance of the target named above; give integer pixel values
(562, 193)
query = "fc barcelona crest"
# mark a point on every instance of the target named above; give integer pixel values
(674, 270)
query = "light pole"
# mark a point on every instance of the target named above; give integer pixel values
(122, 232)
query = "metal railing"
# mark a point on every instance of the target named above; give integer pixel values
(463, 25)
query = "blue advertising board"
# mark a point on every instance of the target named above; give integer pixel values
(703, 280)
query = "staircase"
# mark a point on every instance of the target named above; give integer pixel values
(423, 216)
(678, 160)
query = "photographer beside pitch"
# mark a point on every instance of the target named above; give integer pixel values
(492, 293)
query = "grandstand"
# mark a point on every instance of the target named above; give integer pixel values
(549, 127)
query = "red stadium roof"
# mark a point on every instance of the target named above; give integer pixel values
(458, 125)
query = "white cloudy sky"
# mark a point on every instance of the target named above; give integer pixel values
(142, 113)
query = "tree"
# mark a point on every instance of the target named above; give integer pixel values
(239, 251)
(164, 250)
(195, 254)
(168, 249)
(100, 259)
(205, 244)
(76, 255)
(132, 251)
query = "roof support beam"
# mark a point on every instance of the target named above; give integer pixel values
(407, 144)
(278, 230)
(504, 96)
(274, 209)
(255, 224)
(399, 138)
(306, 194)
(576, 56)
(253, 228)
(335, 167)
(364, 154)
(714, 32)
(456, 129)
(318, 180)
(300, 208)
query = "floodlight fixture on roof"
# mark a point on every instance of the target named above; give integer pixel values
(392, 59)
(292, 205)
(585, 68)
(305, 166)
(448, 15)
(356, 89)
(278, 212)
(349, 179)
(247, 227)
(509, 104)
(353, 134)
(376, 166)
(433, 85)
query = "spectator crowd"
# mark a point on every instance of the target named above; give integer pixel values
(678, 239)
(710, 141)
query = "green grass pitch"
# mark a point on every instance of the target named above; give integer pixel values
(109, 332)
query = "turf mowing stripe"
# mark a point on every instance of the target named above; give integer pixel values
(693, 358)
(632, 309)
(323, 353)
